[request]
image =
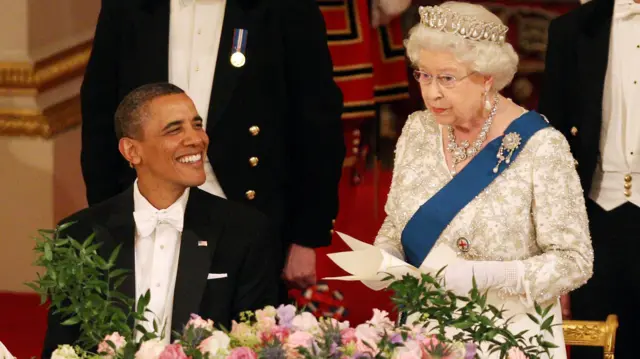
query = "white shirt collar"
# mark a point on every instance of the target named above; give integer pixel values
(142, 204)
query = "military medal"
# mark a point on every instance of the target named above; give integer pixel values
(238, 58)
(463, 244)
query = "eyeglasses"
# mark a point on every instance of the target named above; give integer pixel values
(446, 81)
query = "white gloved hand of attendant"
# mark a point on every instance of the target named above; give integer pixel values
(488, 274)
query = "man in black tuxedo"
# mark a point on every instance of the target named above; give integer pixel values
(591, 93)
(195, 252)
(260, 75)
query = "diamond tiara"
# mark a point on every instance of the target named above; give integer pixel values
(448, 21)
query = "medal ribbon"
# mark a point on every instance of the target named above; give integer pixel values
(240, 40)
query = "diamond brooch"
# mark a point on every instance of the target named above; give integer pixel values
(510, 143)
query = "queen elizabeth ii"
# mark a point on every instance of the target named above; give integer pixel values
(478, 173)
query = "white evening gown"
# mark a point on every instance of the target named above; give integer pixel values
(534, 212)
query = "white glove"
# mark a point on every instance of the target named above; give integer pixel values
(489, 275)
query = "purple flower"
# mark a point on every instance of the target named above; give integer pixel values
(470, 350)
(286, 313)
(334, 348)
(396, 338)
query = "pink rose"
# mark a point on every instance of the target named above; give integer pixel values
(197, 322)
(348, 336)
(116, 339)
(173, 351)
(516, 353)
(242, 353)
(281, 333)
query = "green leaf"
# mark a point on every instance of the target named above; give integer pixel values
(464, 325)
(72, 321)
(48, 255)
(118, 272)
(546, 325)
(533, 319)
(114, 255)
(537, 307)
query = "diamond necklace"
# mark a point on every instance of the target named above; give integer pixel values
(460, 153)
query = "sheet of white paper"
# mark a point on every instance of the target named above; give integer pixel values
(370, 265)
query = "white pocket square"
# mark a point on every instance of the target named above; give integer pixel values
(216, 275)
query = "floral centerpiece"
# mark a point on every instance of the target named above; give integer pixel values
(82, 287)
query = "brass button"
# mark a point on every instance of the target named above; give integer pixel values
(253, 161)
(574, 131)
(331, 231)
(627, 193)
(250, 194)
(333, 222)
(628, 178)
(356, 142)
(254, 130)
(627, 185)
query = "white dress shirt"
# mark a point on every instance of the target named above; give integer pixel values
(195, 28)
(156, 261)
(617, 178)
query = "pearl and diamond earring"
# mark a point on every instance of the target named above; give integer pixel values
(487, 104)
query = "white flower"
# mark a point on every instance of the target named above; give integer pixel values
(411, 349)
(268, 311)
(151, 349)
(381, 320)
(335, 323)
(305, 322)
(64, 352)
(367, 333)
(217, 344)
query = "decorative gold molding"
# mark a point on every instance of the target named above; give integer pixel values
(46, 73)
(54, 120)
(27, 79)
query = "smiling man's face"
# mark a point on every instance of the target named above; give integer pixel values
(173, 143)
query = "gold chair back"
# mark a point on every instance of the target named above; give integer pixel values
(592, 333)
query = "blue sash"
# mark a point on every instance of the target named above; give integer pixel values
(427, 224)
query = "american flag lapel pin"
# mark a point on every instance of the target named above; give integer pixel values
(202, 243)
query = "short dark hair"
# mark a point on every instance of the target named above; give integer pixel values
(134, 108)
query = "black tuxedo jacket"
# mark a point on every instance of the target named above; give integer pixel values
(576, 65)
(237, 244)
(282, 107)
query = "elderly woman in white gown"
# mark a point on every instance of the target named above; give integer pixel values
(476, 172)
